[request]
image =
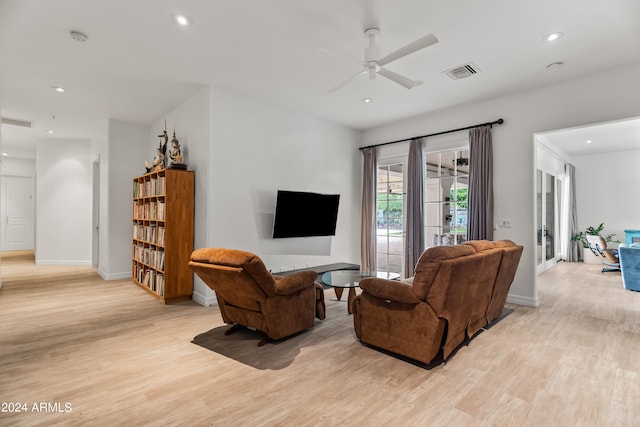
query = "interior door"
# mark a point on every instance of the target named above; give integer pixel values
(17, 213)
(546, 220)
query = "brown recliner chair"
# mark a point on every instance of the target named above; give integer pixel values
(250, 296)
(410, 317)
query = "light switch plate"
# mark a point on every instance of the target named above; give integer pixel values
(504, 223)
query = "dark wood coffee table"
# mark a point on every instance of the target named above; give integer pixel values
(340, 280)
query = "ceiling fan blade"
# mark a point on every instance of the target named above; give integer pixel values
(344, 82)
(401, 80)
(421, 43)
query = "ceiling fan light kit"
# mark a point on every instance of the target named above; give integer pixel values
(373, 64)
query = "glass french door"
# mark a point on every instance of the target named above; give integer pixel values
(390, 218)
(547, 213)
(446, 190)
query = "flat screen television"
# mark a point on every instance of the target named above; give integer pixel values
(305, 214)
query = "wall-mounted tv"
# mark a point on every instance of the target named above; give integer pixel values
(305, 214)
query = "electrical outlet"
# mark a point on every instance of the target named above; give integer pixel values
(504, 223)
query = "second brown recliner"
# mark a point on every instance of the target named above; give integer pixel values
(455, 292)
(416, 317)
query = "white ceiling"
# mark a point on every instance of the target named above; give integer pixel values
(620, 135)
(137, 65)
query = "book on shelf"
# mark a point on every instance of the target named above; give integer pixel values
(152, 233)
(159, 286)
(160, 211)
(161, 236)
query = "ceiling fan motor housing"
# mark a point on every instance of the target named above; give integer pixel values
(372, 53)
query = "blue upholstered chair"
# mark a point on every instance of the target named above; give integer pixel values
(630, 266)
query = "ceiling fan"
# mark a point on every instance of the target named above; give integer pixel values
(373, 64)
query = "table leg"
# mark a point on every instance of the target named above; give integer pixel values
(338, 292)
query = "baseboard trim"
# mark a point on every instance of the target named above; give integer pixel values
(203, 299)
(74, 263)
(521, 300)
(114, 276)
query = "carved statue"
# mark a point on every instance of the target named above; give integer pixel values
(158, 161)
(175, 154)
(165, 138)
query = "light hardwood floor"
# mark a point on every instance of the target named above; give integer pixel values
(116, 356)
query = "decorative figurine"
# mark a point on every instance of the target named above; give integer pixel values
(165, 138)
(158, 161)
(175, 155)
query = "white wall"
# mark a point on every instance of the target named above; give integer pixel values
(100, 153)
(191, 123)
(607, 191)
(256, 149)
(64, 196)
(602, 97)
(1, 172)
(12, 166)
(126, 150)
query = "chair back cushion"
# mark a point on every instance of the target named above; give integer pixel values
(428, 266)
(240, 277)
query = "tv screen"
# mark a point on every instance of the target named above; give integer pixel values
(304, 214)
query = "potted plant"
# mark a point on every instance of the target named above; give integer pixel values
(589, 256)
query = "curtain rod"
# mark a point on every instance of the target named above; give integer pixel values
(496, 122)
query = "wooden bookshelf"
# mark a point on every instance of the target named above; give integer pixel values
(163, 206)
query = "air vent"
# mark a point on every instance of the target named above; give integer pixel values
(17, 122)
(463, 71)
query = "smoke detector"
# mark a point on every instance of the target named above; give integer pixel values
(78, 36)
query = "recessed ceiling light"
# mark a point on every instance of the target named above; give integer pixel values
(5, 154)
(51, 131)
(58, 89)
(588, 141)
(367, 100)
(182, 20)
(551, 37)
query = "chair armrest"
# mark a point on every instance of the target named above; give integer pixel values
(295, 282)
(389, 290)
